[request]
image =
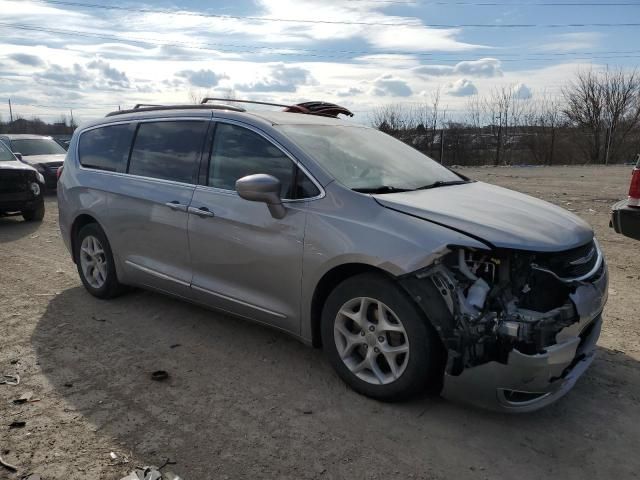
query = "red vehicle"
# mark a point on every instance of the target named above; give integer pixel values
(625, 215)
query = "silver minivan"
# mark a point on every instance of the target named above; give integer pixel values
(410, 276)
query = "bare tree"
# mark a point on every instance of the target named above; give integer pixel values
(391, 118)
(605, 107)
(542, 120)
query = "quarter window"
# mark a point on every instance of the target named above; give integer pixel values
(168, 150)
(238, 152)
(106, 148)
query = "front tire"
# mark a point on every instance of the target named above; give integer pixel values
(95, 263)
(34, 214)
(378, 340)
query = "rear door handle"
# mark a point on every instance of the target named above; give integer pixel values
(201, 212)
(175, 205)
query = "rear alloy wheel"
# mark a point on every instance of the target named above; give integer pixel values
(95, 263)
(378, 340)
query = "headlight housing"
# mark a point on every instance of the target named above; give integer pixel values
(35, 188)
(40, 177)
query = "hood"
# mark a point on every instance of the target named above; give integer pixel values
(15, 165)
(500, 217)
(35, 159)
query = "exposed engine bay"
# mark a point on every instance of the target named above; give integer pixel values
(489, 303)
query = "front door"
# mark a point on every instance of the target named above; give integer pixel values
(244, 260)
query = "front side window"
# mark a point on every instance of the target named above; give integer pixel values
(368, 160)
(238, 152)
(168, 150)
(5, 153)
(106, 148)
(36, 146)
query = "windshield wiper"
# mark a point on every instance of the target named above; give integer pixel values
(443, 184)
(381, 189)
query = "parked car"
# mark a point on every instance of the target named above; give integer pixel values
(63, 142)
(42, 153)
(21, 188)
(410, 276)
(625, 215)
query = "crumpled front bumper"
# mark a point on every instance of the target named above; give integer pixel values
(529, 382)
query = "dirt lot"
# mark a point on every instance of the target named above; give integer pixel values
(247, 402)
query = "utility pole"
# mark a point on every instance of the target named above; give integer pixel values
(606, 155)
(10, 111)
(442, 147)
(71, 124)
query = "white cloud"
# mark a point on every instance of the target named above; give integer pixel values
(568, 42)
(112, 76)
(280, 78)
(461, 88)
(70, 77)
(522, 92)
(202, 78)
(417, 37)
(388, 85)
(349, 92)
(483, 67)
(26, 59)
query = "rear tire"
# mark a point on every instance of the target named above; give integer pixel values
(95, 263)
(379, 341)
(34, 214)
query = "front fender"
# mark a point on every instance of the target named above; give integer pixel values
(360, 231)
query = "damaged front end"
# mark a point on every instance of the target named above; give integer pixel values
(519, 327)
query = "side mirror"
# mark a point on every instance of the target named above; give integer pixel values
(262, 188)
(18, 155)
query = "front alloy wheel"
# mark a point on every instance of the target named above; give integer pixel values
(379, 341)
(371, 340)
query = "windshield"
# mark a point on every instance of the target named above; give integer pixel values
(368, 160)
(36, 146)
(5, 153)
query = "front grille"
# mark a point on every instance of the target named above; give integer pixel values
(13, 181)
(572, 263)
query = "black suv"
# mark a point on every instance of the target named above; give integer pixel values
(42, 153)
(21, 187)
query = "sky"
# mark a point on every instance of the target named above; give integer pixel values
(95, 56)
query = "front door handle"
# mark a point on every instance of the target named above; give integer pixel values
(201, 212)
(175, 205)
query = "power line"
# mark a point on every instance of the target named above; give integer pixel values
(414, 24)
(343, 53)
(77, 107)
(505, 4)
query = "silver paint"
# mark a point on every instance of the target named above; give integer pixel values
(238, 258)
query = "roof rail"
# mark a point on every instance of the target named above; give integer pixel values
(143, 107)
(140, 105)
(324, 109)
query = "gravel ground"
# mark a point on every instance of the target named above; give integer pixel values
(247, 402)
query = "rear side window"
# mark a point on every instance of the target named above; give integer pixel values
(238, 152)
(106, 148)
(168, 150)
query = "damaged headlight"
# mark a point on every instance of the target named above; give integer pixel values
(499, 302)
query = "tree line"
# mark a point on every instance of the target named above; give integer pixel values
(595, 120)
(36, 126)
